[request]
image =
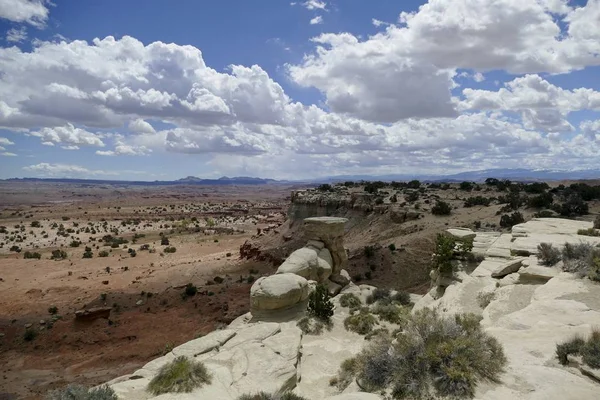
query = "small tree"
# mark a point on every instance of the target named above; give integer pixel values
(441, 208)
(319, 303)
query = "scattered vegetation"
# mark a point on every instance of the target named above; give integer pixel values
(361, 322)
(29, 335)
(589, 349)
(392, 313)
(582, 259)
(548, 254)
(170, 249)
(510, 220)
(589, 232)
(78, 392)
(433, 355)
(310, 325)
(477, 201)
(190, 290)
(267, 396)
(350, 300)
(58, 255)
(182, 375)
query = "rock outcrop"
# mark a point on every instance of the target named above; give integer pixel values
(529, 308)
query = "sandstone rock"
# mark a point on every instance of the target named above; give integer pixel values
(278, 292)
(461, 233)
(356, 396)
(329, 230)
(538, 272)
(342, 279)
(317, 244)
(308, 263)
(509, 267)
(92, 314)
(202, 345)
(333, 288)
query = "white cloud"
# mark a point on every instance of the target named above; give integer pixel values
(68, 135)
(7, 154)
(141, 126)
(122, 149)
(543, 105)
(5, 142)
(316, 20)
(591, 129)
(315, 5)
(478, 77)
(71, 147)
(15, 35)
(33, 12)
(71, 171)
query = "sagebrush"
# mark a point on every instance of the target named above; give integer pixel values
(182, 375)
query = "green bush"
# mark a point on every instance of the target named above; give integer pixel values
(53, 310)
(582, 259)
(590, 352)
(391, 313)
(58, 255)
(543, 200)
(78, 392)
(190, 290)
(170, 249)
(181, 375)
(164, 241)
(572, 346)
(477, 201)
(446, 249)
(441, 208)
(402, 298)
(548, 254)
(319, 303)
(103, 253)
(312, 325)
(267, 396)
(29, 335)
(30, 255)
(510, 220)
(433, 354)
(369, 251)
(379, 294)
(346, 374)
(361, 322)
(589, 232)
(350, 300)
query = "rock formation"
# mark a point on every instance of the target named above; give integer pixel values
(528, 307)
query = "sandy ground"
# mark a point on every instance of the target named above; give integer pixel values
(148, 313)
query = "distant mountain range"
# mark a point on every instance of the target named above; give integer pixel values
(476, 176)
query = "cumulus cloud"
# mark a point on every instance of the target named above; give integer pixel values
(316, 20)
(15, 35)
(140, 126)
(122, 149)
(315, 5)
(543, 105)
(68, 135)
(33, 12)
(6, 142)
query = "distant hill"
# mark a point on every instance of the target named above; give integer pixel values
(476, 176)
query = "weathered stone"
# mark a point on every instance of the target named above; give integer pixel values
(461, 233)
(92, 314)
(333, 288)
(308, 263)
(317, 244)
(278, 292)
(509, 267)
(329, 230)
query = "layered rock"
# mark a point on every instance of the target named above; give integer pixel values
(330, 231)
(529, 308)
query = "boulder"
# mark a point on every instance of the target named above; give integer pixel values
(278, 292)
(308, 263)
(342, 279)
(333, 288)
(461, 233)
(509, 267)
(92, 314)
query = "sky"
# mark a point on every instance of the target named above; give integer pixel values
(159, 90)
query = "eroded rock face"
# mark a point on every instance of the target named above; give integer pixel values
(329, 230)
(309, 263)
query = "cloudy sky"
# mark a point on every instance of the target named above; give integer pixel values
(279, 89)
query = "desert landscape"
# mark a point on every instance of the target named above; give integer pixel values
(97, 280)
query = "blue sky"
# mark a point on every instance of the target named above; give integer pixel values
(302, 89)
